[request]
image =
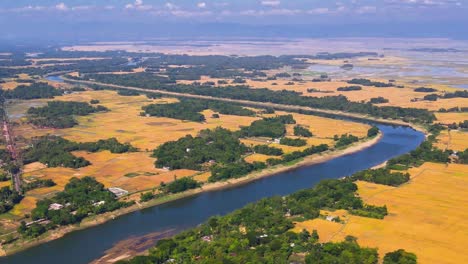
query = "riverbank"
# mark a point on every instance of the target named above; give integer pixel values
(21, 245)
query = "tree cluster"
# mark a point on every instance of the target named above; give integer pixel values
(59, 114)
(55, 151)
(216, 146)
(301, 131)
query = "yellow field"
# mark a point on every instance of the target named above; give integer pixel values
(12, 85)
(427, 216)
(135, 172)
(450, 118)
(258, 157)
(125, 123)
(130, 171)
(453, 139)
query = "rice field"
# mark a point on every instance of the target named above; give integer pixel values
(453, 139)
(135, 172)
(426, 216)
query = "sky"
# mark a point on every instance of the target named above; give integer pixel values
(23, 18)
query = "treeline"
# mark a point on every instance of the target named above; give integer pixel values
(457, 94)
(296, 155)
(293, 142)
(367, 82)
(216, 146)
(189, 109)
(381, 176)
(34, 91)
(349, 88)
(267, 150)
(462, 125)
(340, 103)
(235, 170)
(38, 184)
(80, 198)
(273, 127)
(454, 109)
(260, 232)
(425, 90)
(55, 151)
(345, 140)
(59, 114)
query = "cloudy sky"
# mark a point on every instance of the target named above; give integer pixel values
(25, 14)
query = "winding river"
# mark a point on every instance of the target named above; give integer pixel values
(86, 245)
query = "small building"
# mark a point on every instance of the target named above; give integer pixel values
(330, 218)
(277, 140)
(55, 206)
(99, 203)
(118, 191)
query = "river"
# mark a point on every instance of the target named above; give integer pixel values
(86, 245)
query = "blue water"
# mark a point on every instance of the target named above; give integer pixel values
(89, 244)
(55, 78)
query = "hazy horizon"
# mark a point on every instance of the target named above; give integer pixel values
(88, 20)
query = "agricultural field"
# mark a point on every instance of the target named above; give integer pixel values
(454, 139)
(424, 216)
(136, 172)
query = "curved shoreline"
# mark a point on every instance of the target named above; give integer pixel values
(209, 187)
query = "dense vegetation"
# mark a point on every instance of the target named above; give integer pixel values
(382, 176)
(457, 94)
(301, 131)
(219, 145)
(425, 90)
(8, 198)
(273, 127)
(180, 185)
(59, 114)
(190, 109)
(260, 232)
(340, 103)
(221, 172)
(373, 131)
(55, 151)
(38, 184)
(345, 140)
(33, 91)
(293, 142)
(267, 150)
(367, 82)
(349, 88)
(128, 93)
(378, 100)
(80, 198)
(400, 256)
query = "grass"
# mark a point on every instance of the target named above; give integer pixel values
(427, 216)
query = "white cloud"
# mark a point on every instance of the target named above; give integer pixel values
(138, 5)
(366, 9)
(319, 11)
(201, 5)
(171, 6)
(61, 6)
(271, 2)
